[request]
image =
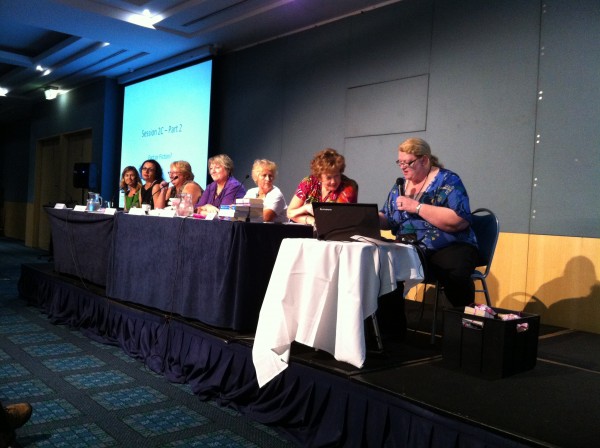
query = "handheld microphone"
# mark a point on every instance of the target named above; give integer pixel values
(400, 182)
(163, 185)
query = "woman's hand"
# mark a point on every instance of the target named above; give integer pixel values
(208, 208)
(407, 204)
(443, 218)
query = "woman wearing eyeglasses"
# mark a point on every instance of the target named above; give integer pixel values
(153, 191)
(182, 180)
(430, 205)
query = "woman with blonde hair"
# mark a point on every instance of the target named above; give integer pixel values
(274, 205)
(223, 190)
(429, 205)
(182, 180)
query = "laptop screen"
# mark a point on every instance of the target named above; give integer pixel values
(338, 221)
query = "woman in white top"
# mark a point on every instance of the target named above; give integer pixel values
(274, 205)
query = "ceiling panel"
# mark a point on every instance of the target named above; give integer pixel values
(70, 37)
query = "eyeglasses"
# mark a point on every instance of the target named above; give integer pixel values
(149, 168)
(174, 173)
(407, 164)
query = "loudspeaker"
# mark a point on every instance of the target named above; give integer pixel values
(85, 175)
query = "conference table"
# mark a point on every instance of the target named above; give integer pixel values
(212, 271)
(81, 243)
(320, 293)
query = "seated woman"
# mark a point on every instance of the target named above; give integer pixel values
(153, 191)
(182, 180)
(274, 205)
(224, 189)
(132, 186)
(431, 206)
(326, 183)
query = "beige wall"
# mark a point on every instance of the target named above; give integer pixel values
(14, 218)
(553, 276)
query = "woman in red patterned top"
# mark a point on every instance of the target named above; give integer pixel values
(326, 183)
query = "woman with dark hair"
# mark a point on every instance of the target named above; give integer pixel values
(132, 186)
(153, 191)
(326, 183)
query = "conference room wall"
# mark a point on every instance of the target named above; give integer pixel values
(287, 98)
(480, 60)
(485, 63)
(13, 163)
(95, 108)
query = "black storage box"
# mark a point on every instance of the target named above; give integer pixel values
(494, 351)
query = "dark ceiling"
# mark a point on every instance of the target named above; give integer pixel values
(79, 41)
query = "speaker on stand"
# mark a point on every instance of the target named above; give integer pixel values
(85, 176)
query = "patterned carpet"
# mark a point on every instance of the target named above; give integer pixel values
(86, 394)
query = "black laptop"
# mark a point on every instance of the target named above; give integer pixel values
(339, 222)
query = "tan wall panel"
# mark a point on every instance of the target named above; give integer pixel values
(553, 276)
(14, 219)
(508, 276)
(562, 281)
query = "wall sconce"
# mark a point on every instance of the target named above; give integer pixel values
(51, 93)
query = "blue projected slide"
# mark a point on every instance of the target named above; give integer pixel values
(167, 119)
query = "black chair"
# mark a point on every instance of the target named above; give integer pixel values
(487, 228)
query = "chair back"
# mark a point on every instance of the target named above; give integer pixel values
(487, 228)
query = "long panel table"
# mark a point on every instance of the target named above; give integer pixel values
(216, 272)
(81, 243)
(321, 292)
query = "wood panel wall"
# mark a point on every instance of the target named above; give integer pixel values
(553, 276)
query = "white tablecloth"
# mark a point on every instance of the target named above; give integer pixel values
(320, 293)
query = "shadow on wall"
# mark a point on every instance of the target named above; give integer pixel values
(574, 298)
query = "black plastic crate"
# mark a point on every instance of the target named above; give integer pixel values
(494, 351)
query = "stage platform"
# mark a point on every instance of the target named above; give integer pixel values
(404, 396)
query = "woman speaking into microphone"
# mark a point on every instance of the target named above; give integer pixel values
(182, 179)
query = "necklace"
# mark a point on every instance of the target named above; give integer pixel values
(416, 196)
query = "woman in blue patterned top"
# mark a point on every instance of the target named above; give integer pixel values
(431, 205)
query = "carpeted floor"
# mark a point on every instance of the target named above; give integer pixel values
(89, 394)
(86, 394)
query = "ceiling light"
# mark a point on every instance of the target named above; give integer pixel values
(3, 91)
(51, 93)
(146, 20)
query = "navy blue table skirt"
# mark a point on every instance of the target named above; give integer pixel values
(216, 272)
(81, 243)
